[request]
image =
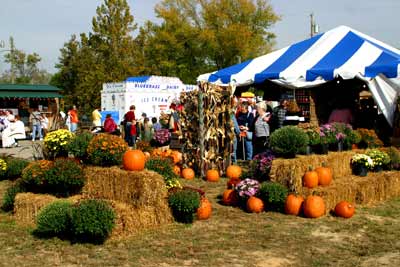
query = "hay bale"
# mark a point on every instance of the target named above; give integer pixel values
(374, 188)
(28, 205)
(137, 188)
(129, 220)
(289, 172)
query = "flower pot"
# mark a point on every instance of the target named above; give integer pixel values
(321, 149)
(308, 150)
(340, 146)
(378, 168)
(359, 170)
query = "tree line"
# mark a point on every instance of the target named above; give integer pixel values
(192, 37)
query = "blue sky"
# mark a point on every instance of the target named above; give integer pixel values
(43, 26)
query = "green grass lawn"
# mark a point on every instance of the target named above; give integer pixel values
(231, 237)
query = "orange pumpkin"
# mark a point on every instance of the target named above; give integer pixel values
(229, 197)
(233, 171)
(293, 204)
(205, 209)
(310, 179)
(188, 173)
(354, 146)
(212, 176)
(344, 209)
(134, 160)
(232, 182)
(255, 205)
(177, 170)
(314, 207)
(324, 175)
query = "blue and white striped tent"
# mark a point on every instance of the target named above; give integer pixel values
(341, 52)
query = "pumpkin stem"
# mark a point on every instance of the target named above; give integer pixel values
(310, 167)
(323, 164)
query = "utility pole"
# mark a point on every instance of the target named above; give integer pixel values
(313, 25)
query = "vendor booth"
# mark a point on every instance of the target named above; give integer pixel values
(150, 94)
(21, 98)
(338, 60)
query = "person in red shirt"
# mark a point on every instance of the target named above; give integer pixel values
(73, 117)
(110, 126)
(130, 126)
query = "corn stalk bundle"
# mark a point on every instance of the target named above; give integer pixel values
(207, 127)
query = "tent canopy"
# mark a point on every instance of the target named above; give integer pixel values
(341, 52)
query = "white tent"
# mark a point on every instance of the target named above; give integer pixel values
(341, 52)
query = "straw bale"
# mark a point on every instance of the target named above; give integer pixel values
(374, 188)
(138, 188)
(28, 205)
(129, 221)
(289, 172)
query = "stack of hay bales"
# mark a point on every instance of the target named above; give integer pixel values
(289, 172)
(139, 199)
(374, 188)
(371, 189)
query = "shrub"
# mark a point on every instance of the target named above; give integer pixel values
(54, 220)
(79, 144)
(162, 166)
(106, 150)
(56, 142)
(184, 204)
(394, 155)
(273, 194)
(92, 221)
(9, 196)
(62, 178)
(369, 139)
(288, 141)
(15, 166)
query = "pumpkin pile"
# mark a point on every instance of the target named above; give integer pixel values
(320, 176)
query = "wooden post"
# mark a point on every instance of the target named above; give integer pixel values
(201, 128)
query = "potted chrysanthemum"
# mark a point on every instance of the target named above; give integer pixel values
(361, 163)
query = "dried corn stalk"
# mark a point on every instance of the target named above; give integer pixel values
(207, 128)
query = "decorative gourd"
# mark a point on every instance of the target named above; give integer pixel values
(177, 170)
(233, 171)
(314, 207)
(232, 182)
(293, 204)
(230, 197)
(176, 156)
(212, 176)
(344, 209)
(188, 173)
(324, 175)
(205, 209)
(134, 160)
(255, 205)
(310, 178)
(147, 155)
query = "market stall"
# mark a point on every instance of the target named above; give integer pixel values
(150, 94)
(328, 59)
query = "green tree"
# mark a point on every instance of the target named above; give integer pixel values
(23, 67)
(106, 54)
(196, 36)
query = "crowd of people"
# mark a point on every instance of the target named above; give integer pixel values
(253, 125)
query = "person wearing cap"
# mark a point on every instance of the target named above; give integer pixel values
(245, 120)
